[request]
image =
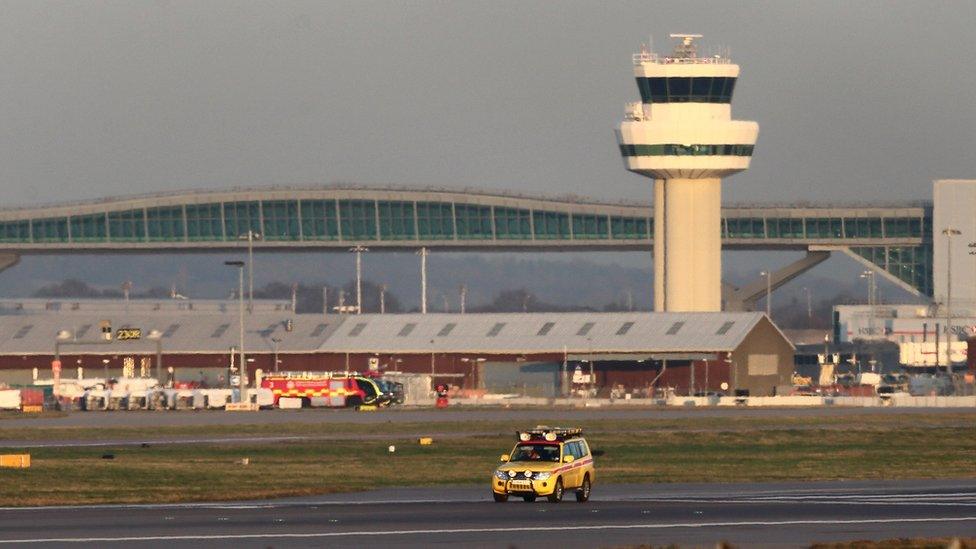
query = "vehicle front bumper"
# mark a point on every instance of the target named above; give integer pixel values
(524, 487)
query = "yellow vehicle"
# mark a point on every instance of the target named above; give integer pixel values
(546, 461)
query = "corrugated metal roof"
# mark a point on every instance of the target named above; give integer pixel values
(495, 333)
(544, 332)
(190, 332)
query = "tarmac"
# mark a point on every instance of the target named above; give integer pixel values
(749, 515)
(517, 415)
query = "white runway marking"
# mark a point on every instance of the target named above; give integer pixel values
(951, 498)
(598, 527)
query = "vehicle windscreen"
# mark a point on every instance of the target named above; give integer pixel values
(366, 387)
(536, 452)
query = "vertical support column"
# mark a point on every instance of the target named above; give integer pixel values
(660, 249)
(692, 244)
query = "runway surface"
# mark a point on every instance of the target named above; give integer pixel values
(769, 515)
(427, 415)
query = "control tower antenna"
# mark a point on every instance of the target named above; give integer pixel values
(682, 135)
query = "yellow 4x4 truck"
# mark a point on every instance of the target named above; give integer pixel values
(546, 461)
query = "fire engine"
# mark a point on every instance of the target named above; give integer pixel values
(327, 389)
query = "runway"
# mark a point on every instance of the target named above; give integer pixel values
(138, 419)
(769, 515)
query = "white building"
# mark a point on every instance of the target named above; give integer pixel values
(682, 135)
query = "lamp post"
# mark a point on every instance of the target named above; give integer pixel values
(63, 335)
(157, 336)
(872, 289)
(809, 306)
(769, 293)
(276, 341)
(382, 299)
(423, 280)
(358, 250)
(240, 300)
(949, 232)
(250, 236)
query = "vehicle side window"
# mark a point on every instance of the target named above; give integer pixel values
(572, 449)
(584, 450)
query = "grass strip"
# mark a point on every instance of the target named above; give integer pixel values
(210, 472)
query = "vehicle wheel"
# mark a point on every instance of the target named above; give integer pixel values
(500, 498)
(528, 499)
(353, 402)
(557, 492)
(583, 494)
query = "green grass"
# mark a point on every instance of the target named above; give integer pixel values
(937, 446)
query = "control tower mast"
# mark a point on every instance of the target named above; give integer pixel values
(682, 135)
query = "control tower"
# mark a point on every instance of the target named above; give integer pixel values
(682, 135)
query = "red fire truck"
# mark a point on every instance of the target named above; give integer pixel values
(328, 389)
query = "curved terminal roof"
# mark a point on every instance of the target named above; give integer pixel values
(895, 238)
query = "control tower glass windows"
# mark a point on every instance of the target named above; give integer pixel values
(686, 89)
(675, 149)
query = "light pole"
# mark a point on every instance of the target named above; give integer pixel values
(358, 250)
(423, 280)
(949, 232)
(250, 236)
(869, 275)
(463, 290)
(157, 336)
(809, 307)
(63, 335)
(769, 293)
(276, 341)
(240, 300)
(382, 299)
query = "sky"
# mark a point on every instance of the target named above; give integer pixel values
(862, 101)
(856, 101)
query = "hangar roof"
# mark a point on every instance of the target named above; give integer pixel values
(493, 333)
(543, 332)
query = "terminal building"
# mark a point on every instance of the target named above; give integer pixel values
(924, 328)
(538, 354)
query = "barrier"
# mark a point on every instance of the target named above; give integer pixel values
(15, 461)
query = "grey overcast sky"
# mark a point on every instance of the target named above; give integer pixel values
(855, 100)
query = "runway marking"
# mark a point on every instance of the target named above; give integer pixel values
(597, 527)
(767, 497)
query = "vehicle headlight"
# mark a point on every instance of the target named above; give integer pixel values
(542, 476)
(528, 474)
(502, 475)
(512, 474)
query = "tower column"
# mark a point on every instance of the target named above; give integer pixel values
(689, 250)
(659, 247)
